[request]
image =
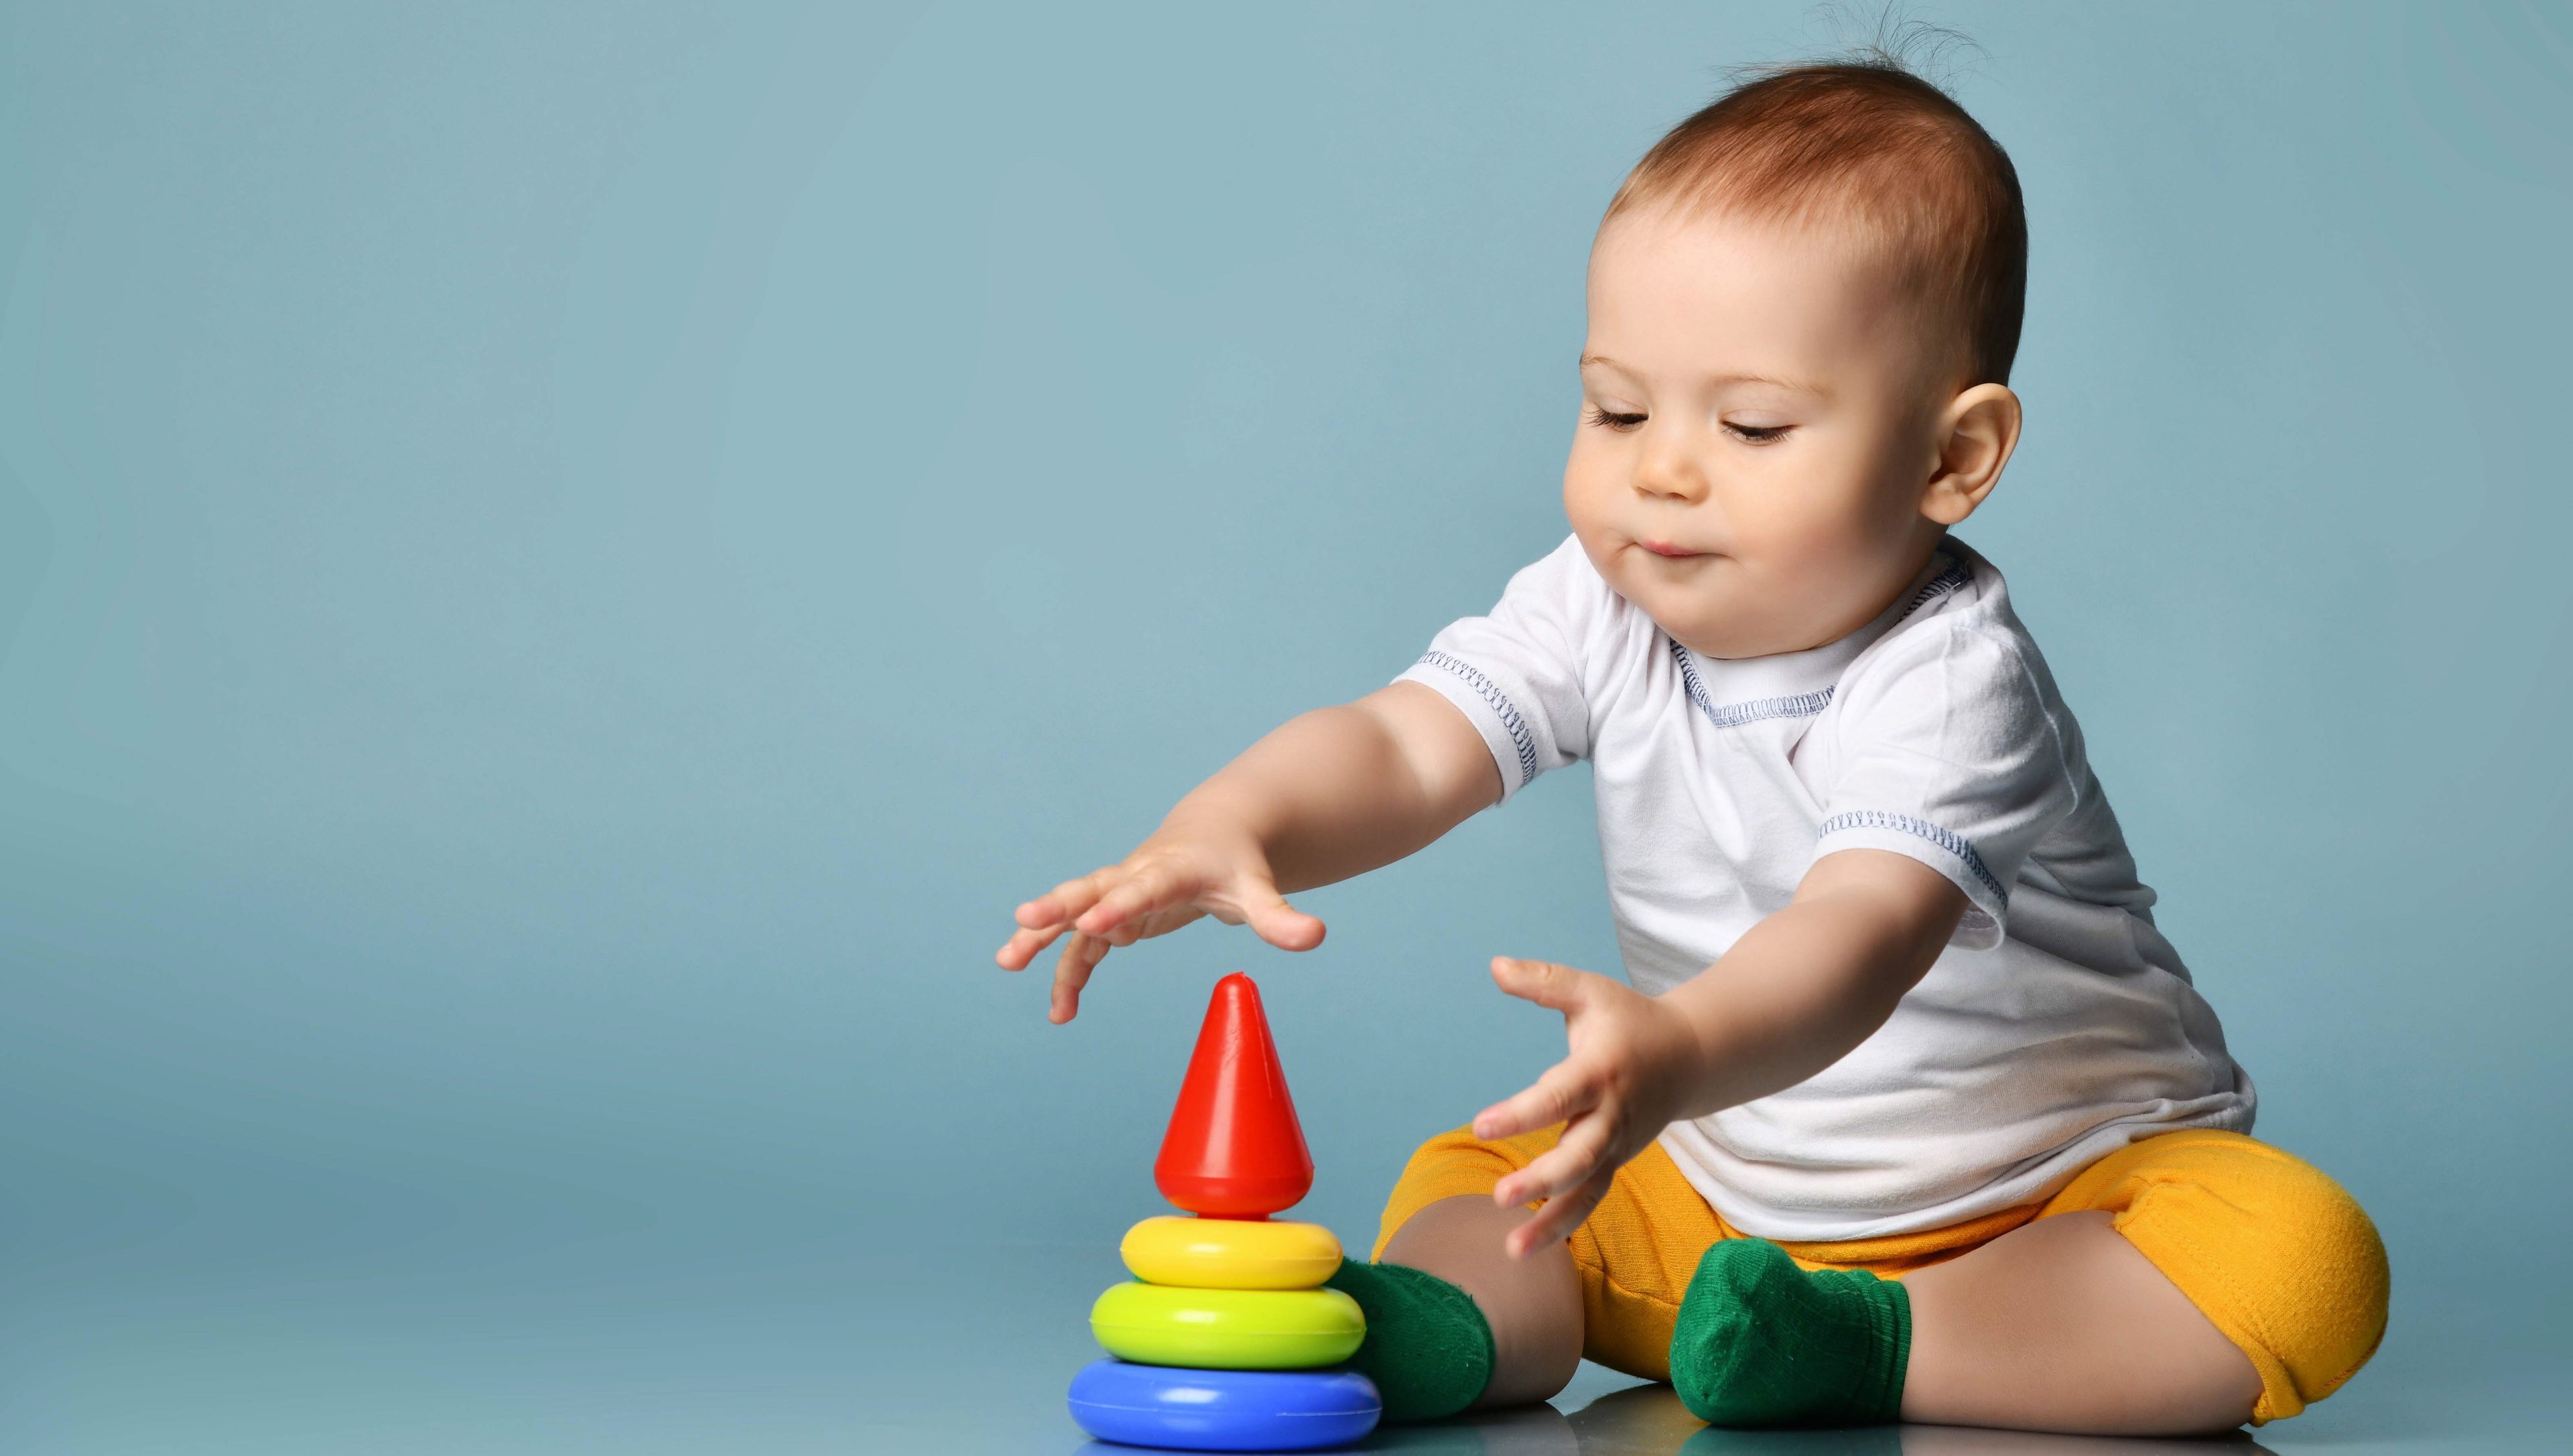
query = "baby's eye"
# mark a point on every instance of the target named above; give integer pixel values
(1611, 420)
(1757, 434)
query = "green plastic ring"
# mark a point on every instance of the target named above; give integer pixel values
(1228, 1329)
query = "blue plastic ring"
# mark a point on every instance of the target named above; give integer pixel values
(1223, 1410)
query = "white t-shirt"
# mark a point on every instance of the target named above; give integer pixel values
(2057, 1027)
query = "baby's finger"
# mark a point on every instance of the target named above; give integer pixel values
(1023, 945)
(1559, 1217)
(1558, 988)
(1146, 889)
(1065, 901)
(1564, 1090)
(1581, 1151)
(1274, 920)
(1155, 923)
(1079, 956)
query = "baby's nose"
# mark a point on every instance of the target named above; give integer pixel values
(1671, 478)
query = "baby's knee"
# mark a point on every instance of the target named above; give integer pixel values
(2335, 1280)
(2276, 1254)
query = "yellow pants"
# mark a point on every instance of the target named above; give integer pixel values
(2275, 1255)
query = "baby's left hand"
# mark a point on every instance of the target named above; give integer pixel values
(1627, 1077)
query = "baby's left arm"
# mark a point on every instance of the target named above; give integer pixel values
(1792, 997)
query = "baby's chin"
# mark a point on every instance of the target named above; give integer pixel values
(1694, 615)
(1706, 618)
(1706, 603)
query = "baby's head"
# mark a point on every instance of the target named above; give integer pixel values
(1803, 307)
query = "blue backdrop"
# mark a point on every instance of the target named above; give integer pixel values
(562, 569)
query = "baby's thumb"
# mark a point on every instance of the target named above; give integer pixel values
(1557, 988)
(1274, 920)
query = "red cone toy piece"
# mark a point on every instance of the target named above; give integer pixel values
(1235, 1149)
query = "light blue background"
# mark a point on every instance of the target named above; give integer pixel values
(561, 568)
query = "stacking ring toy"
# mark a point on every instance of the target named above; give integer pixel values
(1228, 1329)
(1231, 1253)
(1223, 1410)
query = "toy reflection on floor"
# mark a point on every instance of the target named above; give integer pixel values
(1648, 1420)
(1220, 1342)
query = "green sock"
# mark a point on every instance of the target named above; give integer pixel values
(1427, 1348)
(1761, 1343)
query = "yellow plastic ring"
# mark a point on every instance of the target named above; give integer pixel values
(1231, 1253)
(1228, 1329)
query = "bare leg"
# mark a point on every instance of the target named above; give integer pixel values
(1533, 1304)
(2060, 1325)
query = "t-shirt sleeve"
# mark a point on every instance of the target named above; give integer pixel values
(1952, 750)
(1516, 673)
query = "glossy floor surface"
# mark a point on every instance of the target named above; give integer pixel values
(652, 1341)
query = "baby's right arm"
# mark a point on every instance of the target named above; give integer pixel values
(1331, 794)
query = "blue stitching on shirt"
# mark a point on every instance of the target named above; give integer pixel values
(1949, 580)
(1946, 839)
(1483, 687)
(1734, 715)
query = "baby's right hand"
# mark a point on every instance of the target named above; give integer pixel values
(1178, 874)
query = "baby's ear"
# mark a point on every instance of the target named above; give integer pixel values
(1977, 433)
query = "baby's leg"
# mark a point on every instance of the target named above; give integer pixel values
(1533, 1305)
(2186, 1282)
(1454, 1322)
(2060, 1325)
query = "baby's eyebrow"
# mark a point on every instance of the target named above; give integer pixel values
(1799, 385)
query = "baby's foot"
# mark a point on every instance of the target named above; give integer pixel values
(1428, 1348)
(1761, 1343)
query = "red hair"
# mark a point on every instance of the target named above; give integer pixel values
(1864, 144)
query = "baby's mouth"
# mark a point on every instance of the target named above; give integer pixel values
(1665, 549)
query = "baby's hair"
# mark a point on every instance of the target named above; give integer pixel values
(1863, 142)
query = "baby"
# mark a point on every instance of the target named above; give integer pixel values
(1905, 1108)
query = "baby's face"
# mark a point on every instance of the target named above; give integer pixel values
(1760, 416)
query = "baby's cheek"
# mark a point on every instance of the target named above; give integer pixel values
(1583, 505)
(1817, 546)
